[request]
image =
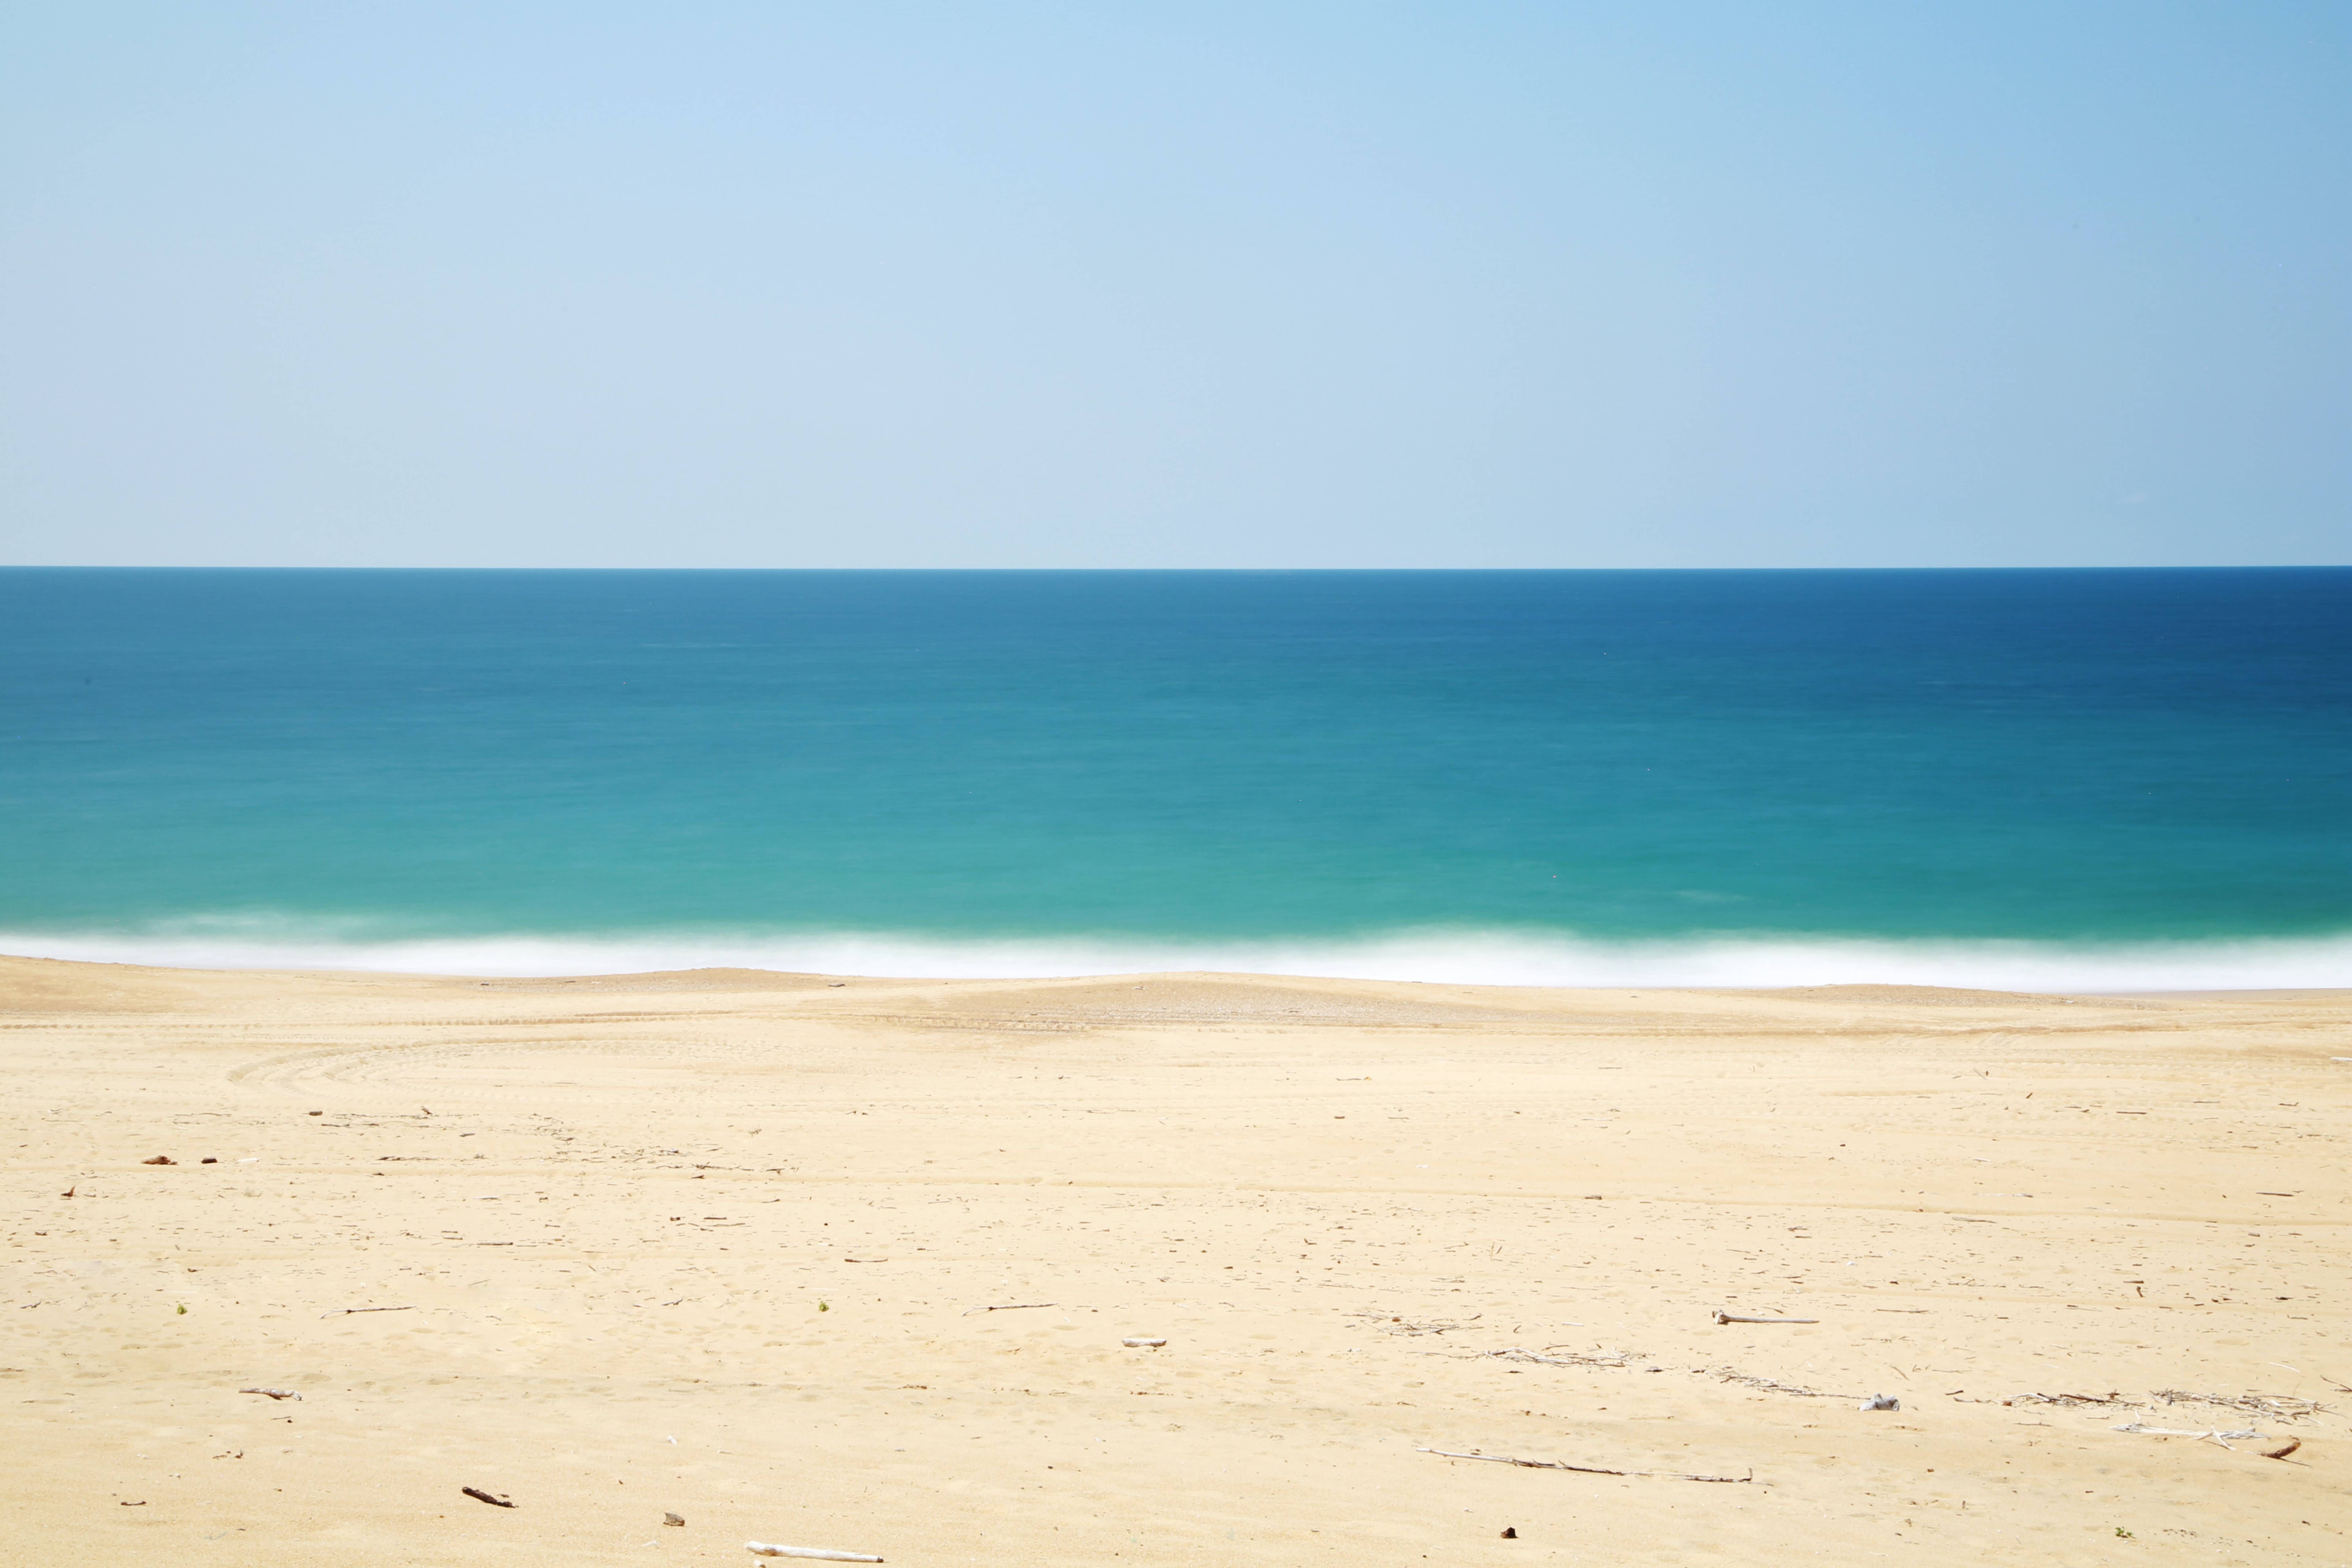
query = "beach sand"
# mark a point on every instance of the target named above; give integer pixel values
(715, 1245)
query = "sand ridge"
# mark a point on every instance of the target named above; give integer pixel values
(713, 1243)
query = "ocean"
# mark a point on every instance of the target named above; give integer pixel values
(2033, 779)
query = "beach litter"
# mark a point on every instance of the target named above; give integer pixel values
(2214, 1436)
(761, 1549)
(1583, 1469)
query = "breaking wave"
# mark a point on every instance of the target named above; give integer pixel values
(1460, 957)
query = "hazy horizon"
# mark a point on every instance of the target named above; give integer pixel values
(1310, 287)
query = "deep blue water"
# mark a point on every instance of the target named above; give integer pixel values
(1375, 772)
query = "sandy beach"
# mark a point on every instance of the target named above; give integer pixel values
(722, 1246)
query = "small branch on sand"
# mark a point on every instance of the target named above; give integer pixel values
(478, 1495)
(1767, 1386)
(1008, 1307)
(763, 1550)
(2209, 1435)
(346, 1311)
(1734, 1317)
(2275, 1405)
(1395, 1325)
(2291, 1445)
(273, 1393)
(1583, 1469)
(1573, 1358)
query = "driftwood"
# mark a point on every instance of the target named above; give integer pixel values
(1735, 1318)
(1581, 1470)
(273, 1393)
(346, 1311)
(819, 1553)
(478, 1495)
(2274, 1405)
(1137, 1343)
(1395, 1325)
(1767, 1386)
(1009, 1307)
(2211, 1436)
(1573, 1358)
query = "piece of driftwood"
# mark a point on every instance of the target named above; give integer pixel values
(273, 1393)
(2289, 1446)
(2275, 1405)
(820, 1553)
(1735, 1318)
(478, 1495)
(1573, 1358)
(159, 1160)
(1581, 1469)
(347, 1311)
(1768, 1385)
(1009, 1307)
(1389, 1324)
(2209, 1435)
(1137, 1342)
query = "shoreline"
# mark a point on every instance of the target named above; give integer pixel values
(575, 1254)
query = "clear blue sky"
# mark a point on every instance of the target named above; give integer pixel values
(1643, 284)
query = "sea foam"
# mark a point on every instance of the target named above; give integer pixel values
(1460, 957)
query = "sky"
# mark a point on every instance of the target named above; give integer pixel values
(1277, 284)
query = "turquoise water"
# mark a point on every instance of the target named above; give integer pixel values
(1996, 777)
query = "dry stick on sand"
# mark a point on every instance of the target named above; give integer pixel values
(1732, 1317)
(2275, 1404)
(1008, 1307)
(1389, 1324)
(819, 1553)
(480, 1496)
(1581, 1470)
(2209, 1435)
(273, 1393)
(1573, 1358)
(347, 1311)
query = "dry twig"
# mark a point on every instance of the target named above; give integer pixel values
(1394, 1325)
(1581, 1470)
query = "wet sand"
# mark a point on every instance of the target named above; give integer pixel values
(716, 1244)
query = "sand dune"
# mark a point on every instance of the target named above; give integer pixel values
(714, 1244)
